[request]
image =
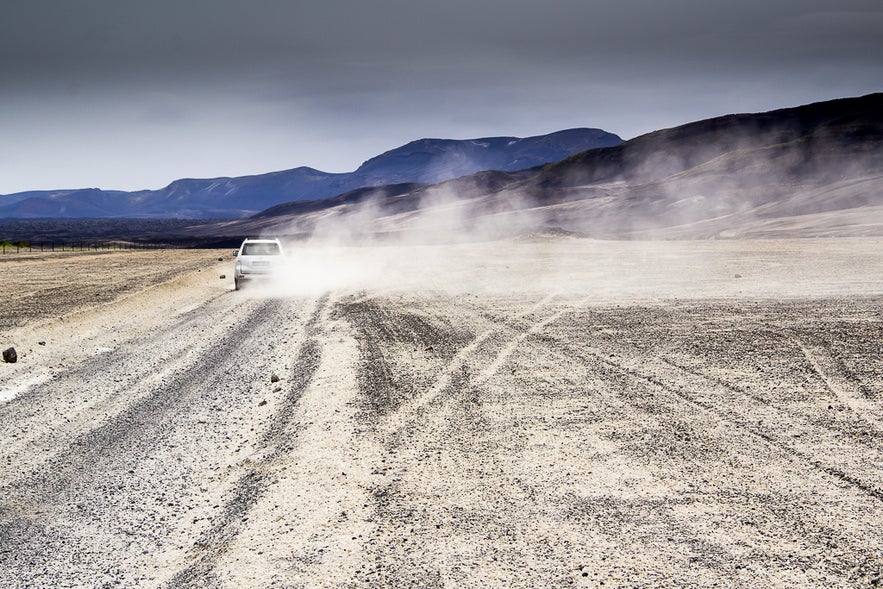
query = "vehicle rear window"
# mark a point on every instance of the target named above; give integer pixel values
(260, 249)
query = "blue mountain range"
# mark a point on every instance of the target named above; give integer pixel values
(423, 161)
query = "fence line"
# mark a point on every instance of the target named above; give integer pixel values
(77, 246)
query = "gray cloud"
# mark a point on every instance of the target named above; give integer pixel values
(151, 91)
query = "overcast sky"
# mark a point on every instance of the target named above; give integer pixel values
(131, 94)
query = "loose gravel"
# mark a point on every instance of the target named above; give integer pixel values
(170, 432)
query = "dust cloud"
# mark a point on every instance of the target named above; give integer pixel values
(447, 244)
(592, 271)
(462, 240)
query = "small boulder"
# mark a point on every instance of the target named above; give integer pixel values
(223, 276)
(10, 356)
(274, 378)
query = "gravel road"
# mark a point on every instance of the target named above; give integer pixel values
(384, 435)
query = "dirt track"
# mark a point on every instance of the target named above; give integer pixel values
(513, 437)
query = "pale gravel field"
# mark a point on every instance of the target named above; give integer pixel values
(539, 412)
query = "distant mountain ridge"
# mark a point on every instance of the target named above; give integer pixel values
(437, 160)
(808, 171)
(422, 161)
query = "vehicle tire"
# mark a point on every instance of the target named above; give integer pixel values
(236, 284)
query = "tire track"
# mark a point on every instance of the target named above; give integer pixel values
(52, 415)
(631, 366)
(142, 424)
(279, 438)
(782, 512)
(525, 332)
(452, 375)
(825, 367)
(734, 418)
(447, 413)
(98, 483)
(730, 417)
(625, 377)
(389, 394)
(77, 488)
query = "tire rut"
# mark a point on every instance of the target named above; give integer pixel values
(81, 395)
(731, 417)
(827, 370)
(446, 406)
(535, 328)
(279, 438)
(94, 481)
(141, 425)
(622, 371)
(388, 388)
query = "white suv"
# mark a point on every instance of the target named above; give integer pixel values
(256, 258)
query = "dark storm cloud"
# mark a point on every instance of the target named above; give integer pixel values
(250, 86)
(96, 38)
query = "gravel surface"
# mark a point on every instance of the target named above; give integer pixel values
(506, 430)
(47, 285)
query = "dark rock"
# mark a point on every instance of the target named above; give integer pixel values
(9, 355)
(223, 276)
(41, 343)
(262, 403)
(274, 378)
(738, 276)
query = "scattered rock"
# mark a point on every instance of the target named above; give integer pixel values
(223, 276)
(9, 355)
(274, 378)
(220, 259)
(738, 276)
(41, 343)
(262, 403)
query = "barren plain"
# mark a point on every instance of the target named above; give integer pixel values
(540, 412)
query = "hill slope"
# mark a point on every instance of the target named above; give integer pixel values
(813, 170)
(426, 160)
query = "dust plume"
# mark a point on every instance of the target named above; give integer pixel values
(608, 222)
(444, 244)
(456, 247)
